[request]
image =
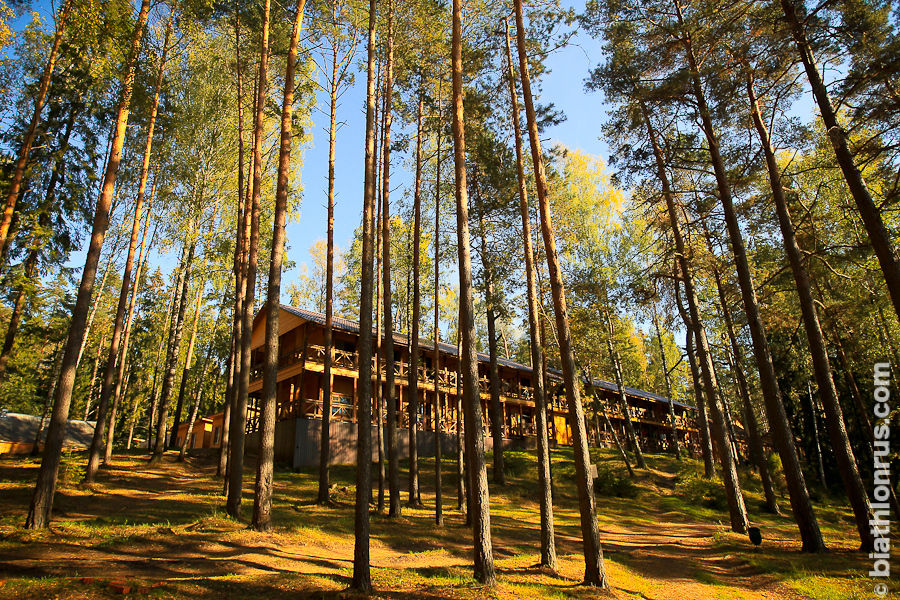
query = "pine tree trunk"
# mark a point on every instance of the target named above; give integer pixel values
(496, 409)
(42, 502)
(548, 538)
(390, 392)
(362, 579)
(438, 417)
(175, 331)
(480, 509)
(252, 212)
(22, 161)
(463, 490)
(594, 570)
(414, 497)
(234, 365)
(736, 507)
(265, 471)
(126, 342)
(837, 430)
(325, 436)
(757, 452)
(668, 380)
(709, 470)
(186, 369)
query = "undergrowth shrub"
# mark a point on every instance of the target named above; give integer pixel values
(696, 490)
(71, 470)
(615, 482)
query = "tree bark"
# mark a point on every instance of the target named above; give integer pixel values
(709, 470)
(362, 579)
(438, 417)
(390, 392)
(736, 507)
(480, 509)
(252, 213)
(42, 501)
(126, 342)
(171, 365)
(665, 367)
(594, 569)
(414, 496)
(265, 472)
(548, 537)
(837, 430)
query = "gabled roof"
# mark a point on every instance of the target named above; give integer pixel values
(353, 327)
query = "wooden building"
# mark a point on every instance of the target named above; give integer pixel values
(300, 401)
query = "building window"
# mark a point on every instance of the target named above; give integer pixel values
(342, 407)
(216, 435)
(193, 439)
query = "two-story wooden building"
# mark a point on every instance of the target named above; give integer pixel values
(300, 401)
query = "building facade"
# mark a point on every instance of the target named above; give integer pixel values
(300, 401)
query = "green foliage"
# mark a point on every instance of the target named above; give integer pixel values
(699, 491)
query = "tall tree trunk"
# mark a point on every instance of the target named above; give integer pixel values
(615, 363)
(390, 392)
(362, 578)
(15, 185)
(414, 497)
(325, 436)
(438, 418)
(665, 367)
(834, 420)
(126, 342)
(709, 470)
(42, 502)
(879, 236)
(234, 366)
(757, 451)
(496, 409)
(97, 302)
(594, 569)
(175, 331)
(197, 396)
(252, 212)
(109, 375)
(480, 509)
(463, 489)
(379, 339)
(736, 507)
(548, 537)
(186, 369)
(265, 472)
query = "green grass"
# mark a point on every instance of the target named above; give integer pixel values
(176, 511)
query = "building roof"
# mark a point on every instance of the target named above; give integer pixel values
(353, 327)
(16, 427)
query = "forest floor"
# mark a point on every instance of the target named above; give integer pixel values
(664, 535)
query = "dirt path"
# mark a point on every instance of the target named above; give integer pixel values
(666, 559)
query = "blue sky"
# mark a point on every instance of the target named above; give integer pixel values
(563, 86)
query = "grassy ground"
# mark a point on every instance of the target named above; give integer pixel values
(663, 537)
